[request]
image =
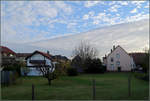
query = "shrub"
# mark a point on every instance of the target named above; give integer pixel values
(72, 71)
(14, 77)
(13, 67)
(143, 76)
(94, 66)
(25, 70)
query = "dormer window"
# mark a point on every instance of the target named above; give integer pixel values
(111, 59)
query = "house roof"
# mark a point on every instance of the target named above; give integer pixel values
(138, 58)
(23, 54)
(6, 50)
(59, 57)
(116, 48)
(42, 53)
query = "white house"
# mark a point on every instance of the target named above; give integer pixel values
(38, 58)
(118, 58)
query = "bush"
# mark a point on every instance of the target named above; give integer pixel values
(94, 66)
(13, 67)
(143, 76)
(25, 70)
(72, 71)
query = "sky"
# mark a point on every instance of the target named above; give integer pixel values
(26, 22)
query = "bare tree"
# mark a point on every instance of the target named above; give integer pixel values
(85, 51)
(47, 71)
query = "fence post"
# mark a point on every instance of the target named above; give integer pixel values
(129, 85)
(93, 82)
(32, 92)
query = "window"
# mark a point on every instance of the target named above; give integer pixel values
(118, 63)
(112, 66)
(117, 55)
(10, 55)
(111, 59)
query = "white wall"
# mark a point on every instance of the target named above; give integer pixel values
(34, 71)
(126, 62)
(38, 57)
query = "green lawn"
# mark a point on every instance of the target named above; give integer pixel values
(108, 86)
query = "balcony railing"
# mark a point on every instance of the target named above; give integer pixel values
(37, 61)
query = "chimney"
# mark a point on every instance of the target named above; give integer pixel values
(47, 52)
(113, 47)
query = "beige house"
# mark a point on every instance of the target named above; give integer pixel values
(118, 59)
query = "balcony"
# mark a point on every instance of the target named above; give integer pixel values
(37, 61)
(8, 60)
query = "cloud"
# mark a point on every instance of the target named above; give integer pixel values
(91, 3)
(147, 6)
(134, 11)
(105, 19)
(138, 3)
(66, 8)
(114, 8)
(136, 17)
(36, 20)
(109, 36)
(124, 3)
(20, 16)
(86, 17)
(89, 15)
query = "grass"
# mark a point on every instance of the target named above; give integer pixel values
(109, 86)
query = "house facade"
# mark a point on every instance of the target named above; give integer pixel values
(139, 58)
(8, 56)
(37, 59)
(118, 58)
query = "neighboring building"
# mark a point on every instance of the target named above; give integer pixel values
(118, 57)
(60, 58)
(138, 58)
(22, 56)
(8, 56)
(37, 59)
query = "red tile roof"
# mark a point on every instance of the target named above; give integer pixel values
(6, 50)
(42, 53)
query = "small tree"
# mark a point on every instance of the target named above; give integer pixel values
(47, 72)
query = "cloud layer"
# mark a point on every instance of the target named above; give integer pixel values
(24, 21)
(132, 37)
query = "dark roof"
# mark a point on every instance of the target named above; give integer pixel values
(59, 57)
(23, 54)
(42, 53)
(138, 58)
(6, 50)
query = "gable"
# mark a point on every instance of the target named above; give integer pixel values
(39, 54)
(119, 50)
